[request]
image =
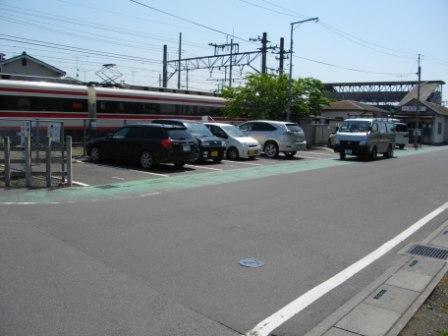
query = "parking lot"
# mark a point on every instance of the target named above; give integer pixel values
(90, 174)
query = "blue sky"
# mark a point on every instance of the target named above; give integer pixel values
(381, 38)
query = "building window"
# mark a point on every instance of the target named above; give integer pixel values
(439, 128)
(24, 61)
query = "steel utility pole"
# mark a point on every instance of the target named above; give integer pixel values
(417, 112)
(179, 60)
(231, 63)
(165, 67)
(281, 56)
(264, 49)
(288, 97)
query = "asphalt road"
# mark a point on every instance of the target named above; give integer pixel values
(166, 263)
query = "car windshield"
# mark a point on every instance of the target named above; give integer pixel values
(353, 126)
(401, 128)
(294, 128)
(199, 130)
(233, 131)
(178, 133)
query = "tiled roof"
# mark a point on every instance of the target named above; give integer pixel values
(351, 105)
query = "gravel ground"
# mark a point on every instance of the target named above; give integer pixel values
(432, 317)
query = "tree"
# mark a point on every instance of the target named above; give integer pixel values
(265, 97)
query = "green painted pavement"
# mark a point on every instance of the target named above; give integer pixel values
(146, 187)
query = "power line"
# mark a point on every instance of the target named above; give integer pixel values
(83, 23)
(337, 31)
(189, 21)
(352, 69)
(59, 46)
(91, 36)
(269, 9)
(86, 62)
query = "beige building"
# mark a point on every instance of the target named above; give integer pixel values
(25, 65)
(342, 109)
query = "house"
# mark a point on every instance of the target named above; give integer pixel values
(432, 120)
(339, 110)
(24, 65)
(342, 109)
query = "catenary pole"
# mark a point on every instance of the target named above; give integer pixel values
(417, 112)
(179, 61)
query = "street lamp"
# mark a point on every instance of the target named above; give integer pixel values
(288, 102)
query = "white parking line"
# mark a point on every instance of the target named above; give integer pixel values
(203, 167)
(126, 169)
(81, 184)
(117, 178)
(246, 163)
(145, 172)
(265, 327)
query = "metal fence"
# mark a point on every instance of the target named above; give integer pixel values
(34, 154)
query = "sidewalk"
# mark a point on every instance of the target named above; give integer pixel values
(387, 305)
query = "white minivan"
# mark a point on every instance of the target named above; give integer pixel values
(238, 144)
(401, 135)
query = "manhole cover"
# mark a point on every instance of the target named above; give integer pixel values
(251, 262)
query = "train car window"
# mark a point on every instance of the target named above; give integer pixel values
(16, 103)
(23, 103)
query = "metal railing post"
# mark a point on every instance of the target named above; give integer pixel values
(63, 162)
(28, 172)
(37, 139)
(7, 151)
(69, 161)
(48, 161)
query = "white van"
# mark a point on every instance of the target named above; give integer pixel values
(401, 135)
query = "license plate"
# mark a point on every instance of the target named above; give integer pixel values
(348, 151)
(214, 153)
(186, 148)
(252, 152)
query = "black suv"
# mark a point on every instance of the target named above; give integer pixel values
(150, 144)
(210, 147)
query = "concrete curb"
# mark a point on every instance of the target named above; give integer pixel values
(385, 306)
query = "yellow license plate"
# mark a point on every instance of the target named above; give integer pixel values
(214, 153)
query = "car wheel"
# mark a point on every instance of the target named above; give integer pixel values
(232, 153)
(401, 146)
(342, 154)
(389, 153)
(290, 154)
(271, 149)
(374, 153)
(95, 154)
(179, 164)
(146, 160)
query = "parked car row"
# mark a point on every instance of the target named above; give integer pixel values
(182, 141)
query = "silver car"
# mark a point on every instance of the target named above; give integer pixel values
(238, 144)
(276, 136)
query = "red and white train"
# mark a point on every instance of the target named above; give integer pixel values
(73, 104)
